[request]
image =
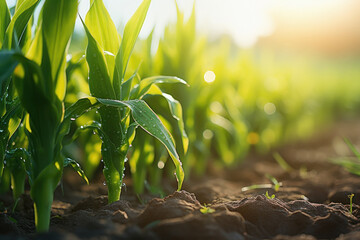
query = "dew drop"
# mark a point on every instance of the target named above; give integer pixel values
(124, 186)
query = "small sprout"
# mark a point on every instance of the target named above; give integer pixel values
(206, 209)
(277, 184)
(282, 163)
(350, 196)
(268, 196)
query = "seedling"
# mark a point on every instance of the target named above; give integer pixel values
(352, 165)
(206, 209)
(269, 197)
(282, 163)
(276, 184)
(351, 202)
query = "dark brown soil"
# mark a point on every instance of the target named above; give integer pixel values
(310, 204)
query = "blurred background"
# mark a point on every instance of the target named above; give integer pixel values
(262, 73)
(323, 26)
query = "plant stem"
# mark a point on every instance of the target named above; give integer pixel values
(113, 151)
(43, 199)
(114, 182)
(18, 183)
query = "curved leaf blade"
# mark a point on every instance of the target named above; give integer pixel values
(143, 87)
(99, 79)
(176, 112)
(4, 20)
(104, 31)
(76, 166)
(58, 25)
(74, 111)
(8, 62)
(19, 22)
(131, 33)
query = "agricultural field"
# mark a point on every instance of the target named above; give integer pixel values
(219, 122)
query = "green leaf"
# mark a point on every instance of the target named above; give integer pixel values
(99, 79)
(58, 25)
(352, 165)
(352, 148)
(18, 22)
(74, 111)
(131, 33)
(76, 166)
(151, 123)
(13, 116)
(103, 29)
(8, 62)
(143, 87)
(4, 20)
(176, 112)
(127, 85)
(81, 106)
(4, 138)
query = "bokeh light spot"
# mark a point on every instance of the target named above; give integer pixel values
(208, 134)
(209, 76)
(269, 108)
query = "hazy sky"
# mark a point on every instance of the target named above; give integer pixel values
(245, 20)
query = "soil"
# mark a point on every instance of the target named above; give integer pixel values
(312, 203)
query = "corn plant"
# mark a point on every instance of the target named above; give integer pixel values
(107, 56)
(39, 77)
(10, 29)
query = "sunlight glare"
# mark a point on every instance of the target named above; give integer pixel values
(209, 76)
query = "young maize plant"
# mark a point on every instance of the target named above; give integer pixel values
(108, 56)
(13, 157)
(10, 109)
(39, 77)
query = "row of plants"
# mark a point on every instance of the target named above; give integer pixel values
(75, 108)
(242, 100)
(237, 101)
(34, 115)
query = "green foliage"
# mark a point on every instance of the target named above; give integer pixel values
(255, 100)
(352, 165)
(107, 83)
(276, 184)
(268, 196)
(40, 82)
(206, 209)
